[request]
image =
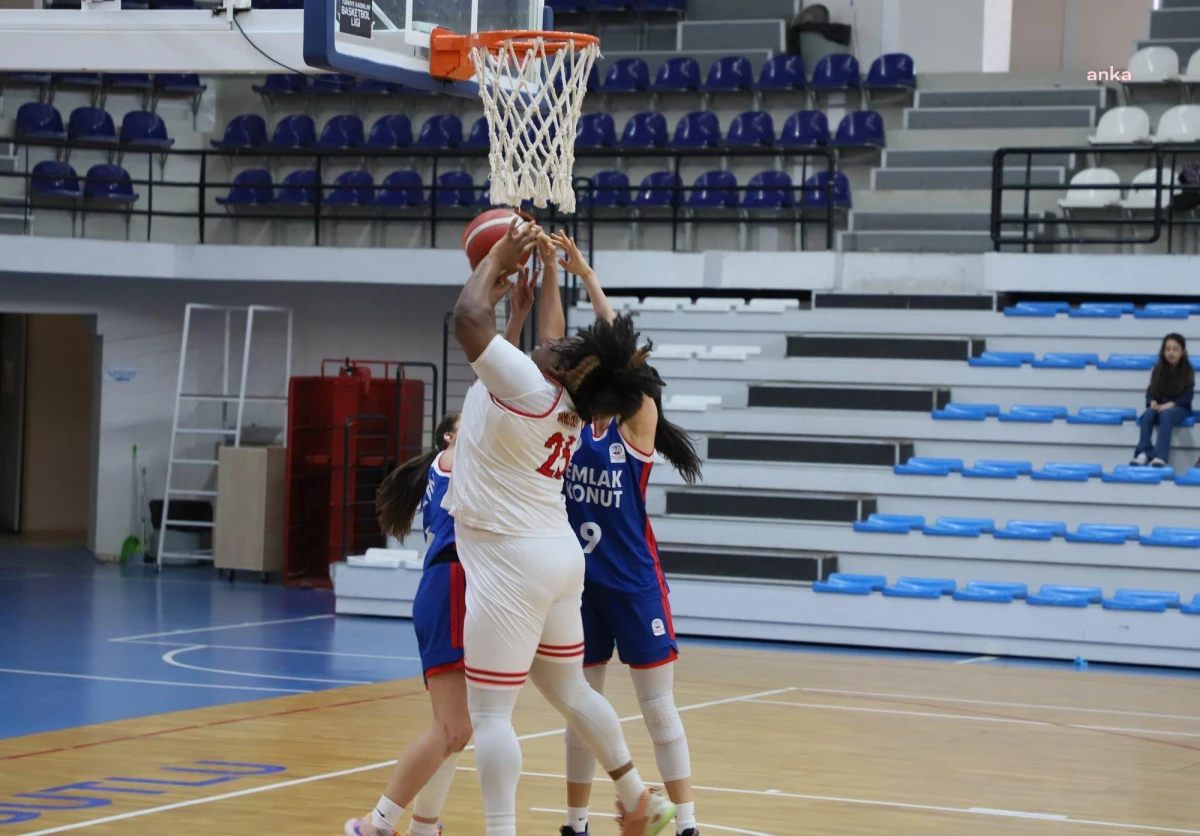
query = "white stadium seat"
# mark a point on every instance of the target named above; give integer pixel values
(1192, 74)
(659, 303)
(730, 352)
(713, 305)
(691, 403)
(1122, 126)
(1154, 65)
(1141, 194)
(771, 305)
(1179, 124)
(1093, 198)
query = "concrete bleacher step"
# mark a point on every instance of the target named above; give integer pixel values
(904, 302)
(1184, 47)
(982, 118)
(952, 200)
(733, 36)
(12, 224)
(1046, 97)
(1175, 23)
(622, 37)
(961, 158)
(896, 241)
(748, 564)
(920, 221)
(885, 348)
(991, 139)
(961, 178)
(879, 453)
(746, 9)
(873, 399)
(1172, 4)
(769, 506)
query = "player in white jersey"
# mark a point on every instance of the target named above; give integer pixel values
(524, 566)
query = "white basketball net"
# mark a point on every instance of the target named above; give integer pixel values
(532, 97)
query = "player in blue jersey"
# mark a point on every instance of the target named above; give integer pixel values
(423, 774)
(625, 600)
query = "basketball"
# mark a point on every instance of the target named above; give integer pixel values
(482, 234)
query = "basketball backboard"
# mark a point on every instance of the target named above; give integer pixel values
(389, 39)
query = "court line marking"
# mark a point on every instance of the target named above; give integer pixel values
(973, 717)
(153, 681)
(277, 650)
(133, 814)
(1004, 704)
(975, 659)
(222, 627)
(700, 825)
(169, 658)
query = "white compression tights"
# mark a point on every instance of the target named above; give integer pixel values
(498, 752)
(654, 687)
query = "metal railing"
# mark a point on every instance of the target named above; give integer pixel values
(1032, 227)
(215, 179)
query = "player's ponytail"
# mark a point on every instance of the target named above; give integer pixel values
(400, 495)
(674, 444)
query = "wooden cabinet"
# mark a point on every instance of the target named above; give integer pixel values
(248, 533)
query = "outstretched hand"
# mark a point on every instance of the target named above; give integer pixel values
(572, 261)
(522, 294)
(510, 251)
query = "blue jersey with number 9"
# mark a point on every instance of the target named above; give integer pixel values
(605, 487)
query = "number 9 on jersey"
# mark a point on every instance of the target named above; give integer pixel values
(590, 533)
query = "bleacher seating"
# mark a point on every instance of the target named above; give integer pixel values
(250, 186)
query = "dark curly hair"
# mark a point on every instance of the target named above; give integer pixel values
(400, 495)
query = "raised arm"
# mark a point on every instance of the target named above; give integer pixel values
(573, 262)
(521, 304)
(552, 323)
(475, 311)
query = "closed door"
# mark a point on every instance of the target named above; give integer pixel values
(14, 330)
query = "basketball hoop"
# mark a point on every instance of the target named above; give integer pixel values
(532, 86)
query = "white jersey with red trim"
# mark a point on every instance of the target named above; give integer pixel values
(509, 464)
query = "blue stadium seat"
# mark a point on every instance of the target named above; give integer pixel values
(344, 131)
(1067, 472)
(1101, 310)
(1135, 475)
(1065, 360)
(91, 124)
(835, 72)
(249, 187)
(1170, 599)
(401, 189)
(993, 596)
(143, 129)
(1167, 310)
(1103, 533)
(352, 188)
(377, 87)
(875, 582)
(769, 190)
(298, 188)
(1016, 590)
(182, 83)
(1189, 478)
(943, 586)
(842, 588)
(1002, 359)
(1030, 530)
(596, 130)
(443, 130)
(281, 84)
(701, 129)
(1192, 608)
(729, 74)
(925, 466)
(781, 72)
(893, 71)
(1102, 415)
(391, 131)
(889, 524)
(1188, 538)
(966, 412)
(805, 129)
(861, 129)
(1091, 594)
(608, 5)
(1033, 414)
(1134, 362)
(38, 79)
(127, 81)
(609, 188)
(1136, 604)
(77, 79)
(52, 178)
(39, 120)
(998, 469)
(330, 84)
(246, 131)
(628, 75)
(295, 131)
(960, 527)
(454, 188)
(815, 195)
(1039, 309)
(645, 130)
(108, 183)
(754, 127)
(478, 136)
(1043, 599)
(907, 591)
(659, 189)
(660, 6)
(677, 75)
(713, 190)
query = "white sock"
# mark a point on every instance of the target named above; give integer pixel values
(577, 819)
(630, 789)
(685, 816)
(420, 828)
(386, 815)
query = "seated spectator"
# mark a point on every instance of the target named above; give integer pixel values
(1168, 400)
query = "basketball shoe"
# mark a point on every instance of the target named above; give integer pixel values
(363, 827)
(654, 812)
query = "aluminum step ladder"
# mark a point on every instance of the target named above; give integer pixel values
(226, 432)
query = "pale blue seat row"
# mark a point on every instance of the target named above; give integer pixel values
(1043, 414)
(1049, 472)
(975, 527)
(1062, 360)
(1105, 310)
